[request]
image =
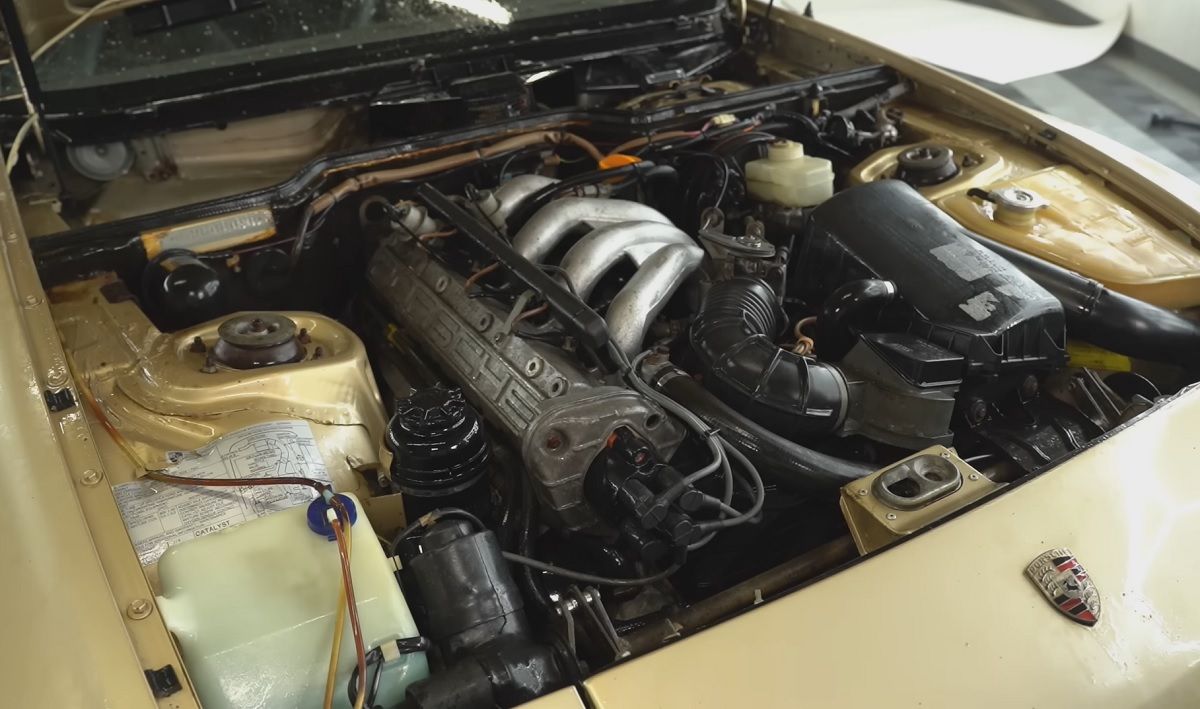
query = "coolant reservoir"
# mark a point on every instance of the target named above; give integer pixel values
(253, 609)
(788, 177)
(1071, 220)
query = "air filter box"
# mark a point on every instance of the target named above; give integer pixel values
(953, 292)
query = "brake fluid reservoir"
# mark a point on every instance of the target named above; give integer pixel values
(1077, 223)
(253, 609)
(788, 177)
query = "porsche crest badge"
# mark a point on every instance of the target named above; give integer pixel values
(1064, 581)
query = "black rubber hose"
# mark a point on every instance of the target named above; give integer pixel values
(787, 464)
(846, 306)
(1107, 318)
(526, 529)
(734, 338)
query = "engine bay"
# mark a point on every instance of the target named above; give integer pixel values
(573, 389)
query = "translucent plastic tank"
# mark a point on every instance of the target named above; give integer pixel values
(253, 609)
(788, 177)
(1085, 227)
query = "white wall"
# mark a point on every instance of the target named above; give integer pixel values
(1170, 26)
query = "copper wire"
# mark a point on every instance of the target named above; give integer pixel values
(532, 313)
(317, 485)
(339, 627)
(804, 344)
(351, 605)
(474, 277)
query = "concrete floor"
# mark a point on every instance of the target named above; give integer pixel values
(1115, 95)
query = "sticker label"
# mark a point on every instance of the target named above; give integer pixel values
(966, 260)
(158, 515)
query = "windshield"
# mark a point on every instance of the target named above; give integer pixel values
(108, 51)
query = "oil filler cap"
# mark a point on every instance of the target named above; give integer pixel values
(319, 523)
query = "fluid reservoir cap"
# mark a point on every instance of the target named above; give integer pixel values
(781, 150)
(183, 289)
(431, 410)
(1019, 199)
(1017, 206)
(319, 523)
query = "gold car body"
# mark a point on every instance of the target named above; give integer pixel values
(944, 619)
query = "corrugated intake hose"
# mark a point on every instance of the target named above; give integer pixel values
(733, 336)
(780, 461)
(1107, 318)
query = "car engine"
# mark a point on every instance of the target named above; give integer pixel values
(583, 388)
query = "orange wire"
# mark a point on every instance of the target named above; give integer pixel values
(351, 605)
(474, 277)
(339, 627)
(533, 312)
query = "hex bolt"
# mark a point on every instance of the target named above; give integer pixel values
(91, 476)
(973, 476)
(891, 515)
(210, 365)
(862, 492)
(977, 411)
(303, 337)
(197, 345)
(56, 377)
(139, 609)
(319, 352)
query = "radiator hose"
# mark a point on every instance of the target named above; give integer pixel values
(1109, 319)
(733, 337)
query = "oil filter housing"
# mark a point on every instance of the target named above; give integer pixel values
(440, 452)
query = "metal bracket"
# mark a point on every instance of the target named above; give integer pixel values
(587, 604)
(58, 400)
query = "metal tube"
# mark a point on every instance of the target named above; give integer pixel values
(500, 203)
(646, 294)
(556, 220)
(593, 255)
